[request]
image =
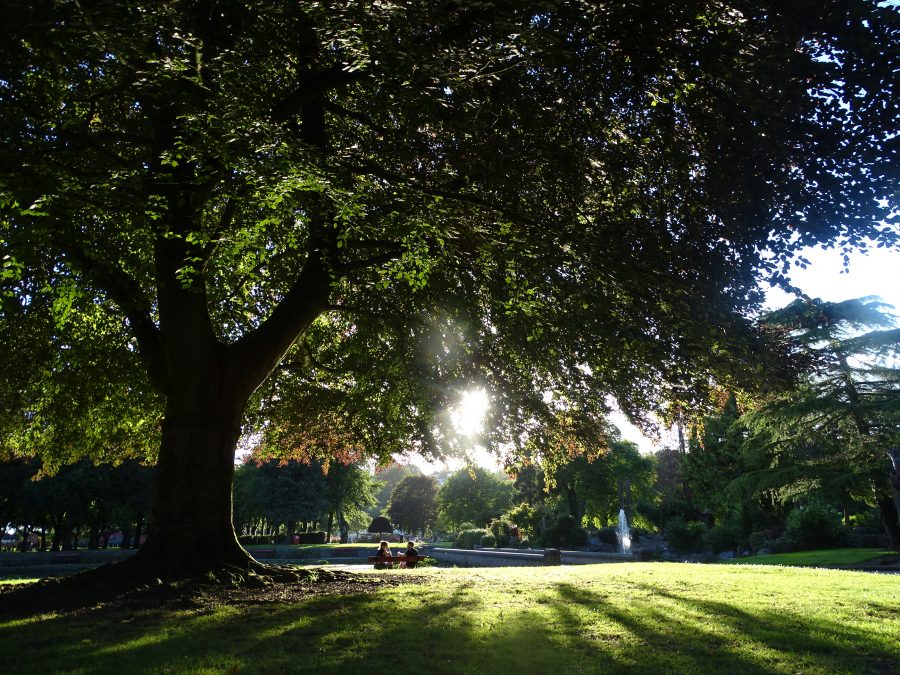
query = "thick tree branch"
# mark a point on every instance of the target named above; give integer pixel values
(260, 351)
(313, 87)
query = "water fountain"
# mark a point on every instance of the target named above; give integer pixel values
(624, 533)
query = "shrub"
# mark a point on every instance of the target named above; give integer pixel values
(608, 535)
(858, 538)
(638, 532)
(565, 532)
(784, 544)
(488, 541)
(312, 537)
(723, 537)
(526, 517)
(758, 540)
(503, 531)
(684, 536)
(867, 521)
(468, 538)
(816, 525)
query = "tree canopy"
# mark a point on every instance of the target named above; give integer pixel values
(833, 434)
(413, 507)
(352, 211)
(473, 495)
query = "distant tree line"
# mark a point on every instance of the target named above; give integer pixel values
(82, 504)
(276, 499)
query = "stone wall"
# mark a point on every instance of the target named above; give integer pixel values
(518, 558)
(487, 558)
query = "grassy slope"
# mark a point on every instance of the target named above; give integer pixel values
(646, 617)
(836, 557)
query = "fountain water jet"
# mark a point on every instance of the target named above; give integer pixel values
(624, 533)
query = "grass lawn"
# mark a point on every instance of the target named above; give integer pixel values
(835, 557)
(640, 617)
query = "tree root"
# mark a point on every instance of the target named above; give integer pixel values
(134, 583)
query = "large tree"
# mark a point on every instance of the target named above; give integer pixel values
(835, 433)
(404, 197)
(413, 506)
(472, 495)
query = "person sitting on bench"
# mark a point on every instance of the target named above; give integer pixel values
(383, 552)
(411, 550)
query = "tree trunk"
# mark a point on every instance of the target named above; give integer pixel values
(344, 526)
(138, 531)
(894, 455)
(66, 534)
(190, 528)
(891, 521)
(572, 500)
(26, 530)
(58, 524)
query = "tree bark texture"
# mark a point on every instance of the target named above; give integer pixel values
(888, 511)
(190, 527)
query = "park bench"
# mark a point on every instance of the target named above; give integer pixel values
(397, 559)
(263, 552)
(66, 557)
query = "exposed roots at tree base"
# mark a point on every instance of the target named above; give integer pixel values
(123, 585)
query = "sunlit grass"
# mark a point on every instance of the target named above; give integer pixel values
(835, 557)
(23, 580)
(646, 617)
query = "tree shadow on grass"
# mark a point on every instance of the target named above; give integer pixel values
(711, 636)
(441, 628)
(332, 634)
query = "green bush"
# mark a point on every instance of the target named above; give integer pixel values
(565, 532)
(469, 538)
(815, 525)
(758, 540)
(488, 541)
(503, 532)
(867, 521)
(684, 536)
(526, 517)
(608, 535)
(725, 536)
(312, 537)
(784, 544)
